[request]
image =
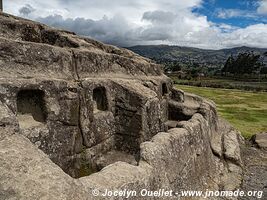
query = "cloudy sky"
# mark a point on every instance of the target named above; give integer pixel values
(210, 24)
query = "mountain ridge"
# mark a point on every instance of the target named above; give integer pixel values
(185, 55)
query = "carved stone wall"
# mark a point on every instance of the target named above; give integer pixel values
(78, 115)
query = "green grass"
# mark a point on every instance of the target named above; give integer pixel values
(246, 111)
(223, 83)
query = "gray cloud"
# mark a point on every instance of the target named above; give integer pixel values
(26, 10)
(186, 31)
(113, 31)
(159, 17)
(125, 23)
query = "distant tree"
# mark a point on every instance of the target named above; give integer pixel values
(228, 65)
(263, 70)
(196, 65)
(263, 73)
(176, 66)
(169, 65)
(194, 72)
(245, 63)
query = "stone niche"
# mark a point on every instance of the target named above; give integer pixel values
(31, 108)
(100, 99)
(164, 89)
(48, 115)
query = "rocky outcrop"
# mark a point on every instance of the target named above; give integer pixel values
(77, 115)
(261, 140)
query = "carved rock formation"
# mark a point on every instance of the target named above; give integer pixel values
(77, 115)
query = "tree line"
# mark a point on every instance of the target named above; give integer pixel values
(244, 63)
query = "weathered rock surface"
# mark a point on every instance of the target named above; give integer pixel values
(77, 115)
(261, 140)
(27, 173)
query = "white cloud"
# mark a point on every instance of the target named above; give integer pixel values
(262, 9)
(41, 8)
(253, 36)
(226, 28)
(228, 13)
(127, 23)
(96, 9)
(232, 13)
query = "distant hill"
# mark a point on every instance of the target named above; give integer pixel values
(186, 55)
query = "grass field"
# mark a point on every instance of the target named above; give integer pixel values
(224, 83)
(246, 111)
